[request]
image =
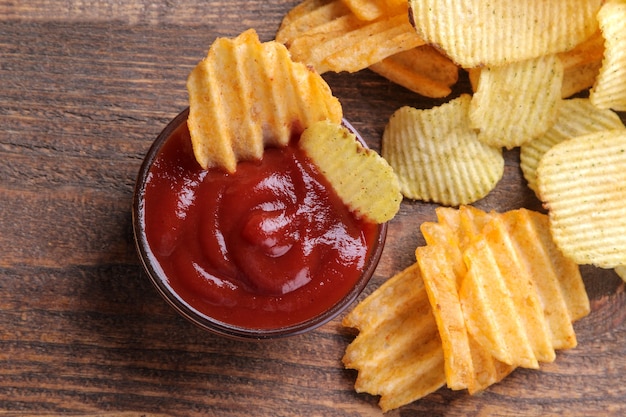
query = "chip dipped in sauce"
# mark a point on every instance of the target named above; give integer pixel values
(270, 246)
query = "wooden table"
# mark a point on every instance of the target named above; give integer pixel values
(85, 87)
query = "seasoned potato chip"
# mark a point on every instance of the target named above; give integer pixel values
(582, 182)
(423, 70)
(576, 117)
(581, 65)
(440, 281)
(517, 102)
(437, 157)
(312, 16)
(609, 91)
(398, 352)
(246, 94)
(356, 46)
(478, 33)
(361, 177)
(490, 314)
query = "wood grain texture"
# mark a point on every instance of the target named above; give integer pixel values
(85, 87)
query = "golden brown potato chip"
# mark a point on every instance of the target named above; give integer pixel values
(517, 102)
(398, 352)
(490, 314)
(581, 65)
(354, 46)
(437, 157)
(609, 90)
(479, 33)
(518, 280)
(363, 179)
(312, 16)
(582, 182)
(423, 70)
(373, 9)
(246, 94)
(576, 117)
(440, 281)
(555, 277)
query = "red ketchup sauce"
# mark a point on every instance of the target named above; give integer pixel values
(268, 246)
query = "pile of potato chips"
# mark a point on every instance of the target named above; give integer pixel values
(504, 288)
(489, 292)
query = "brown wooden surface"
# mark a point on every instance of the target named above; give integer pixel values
(85, 87)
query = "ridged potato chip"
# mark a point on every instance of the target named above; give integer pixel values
(494, 282)
(438, 157)
(246, 94)
(577, 117)
(517, 102)
(582, 182)
(478, 33)
(398, 352)
(363, 179)
(423, 70)
(609, 90)
(328, 36)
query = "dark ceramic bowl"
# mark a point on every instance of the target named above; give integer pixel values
(184, 307)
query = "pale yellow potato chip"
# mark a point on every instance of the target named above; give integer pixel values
(423, 70)
(581, 65)
(582, 182)
(490, 314)
(246, 94)
(355, 46)
(517, 102)
(364, 181)
(398, 352)
(477, 33)
(577, 117)
(609, 90)
(437, 157)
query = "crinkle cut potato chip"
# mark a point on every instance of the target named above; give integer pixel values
(476, 33)
(577, 117)
(609, 90)
(582, 182)
(398, 352)
(423, 70)
(361, 177)
(489, 292)
(328, 36)
(438, 157)
(246, 94)
(517, 102)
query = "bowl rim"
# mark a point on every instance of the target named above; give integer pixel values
(159, 280)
